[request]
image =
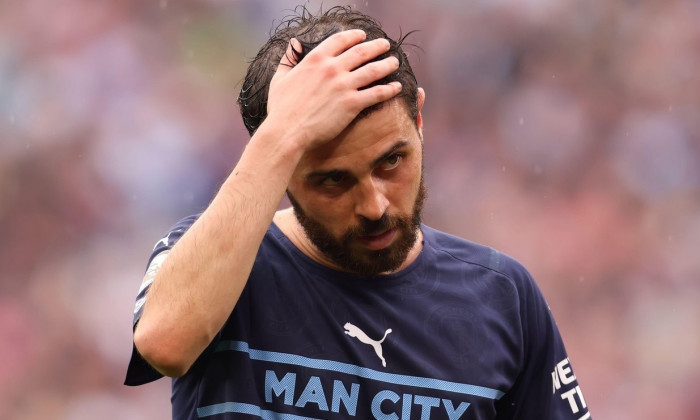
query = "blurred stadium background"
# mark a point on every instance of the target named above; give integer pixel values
(566, 134)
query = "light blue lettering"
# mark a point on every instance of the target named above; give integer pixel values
(313, 393)
(377, 405)
(451, 412)
(285, 386)
(349, 400)
(406, 407)
(427, 403)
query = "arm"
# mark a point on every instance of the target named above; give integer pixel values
(199, 283)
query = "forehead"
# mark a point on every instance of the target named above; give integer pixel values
(364, 140)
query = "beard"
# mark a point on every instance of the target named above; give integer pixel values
(366, 262)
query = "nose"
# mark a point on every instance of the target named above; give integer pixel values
(370, 200)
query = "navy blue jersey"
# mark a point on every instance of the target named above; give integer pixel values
(462, 333)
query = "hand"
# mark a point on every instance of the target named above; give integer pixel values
(314, 100)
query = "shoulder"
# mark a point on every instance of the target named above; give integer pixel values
(463, 251)
(500, 274)
(166, 242)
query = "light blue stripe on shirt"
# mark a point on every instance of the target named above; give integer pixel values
(362, 372)
(242, 408)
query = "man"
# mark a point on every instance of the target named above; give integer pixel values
(344, 306)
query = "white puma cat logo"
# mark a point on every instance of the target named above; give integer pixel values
(353, 331)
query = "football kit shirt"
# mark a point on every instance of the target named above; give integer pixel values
(461, 333)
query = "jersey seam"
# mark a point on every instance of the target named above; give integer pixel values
(512, 280)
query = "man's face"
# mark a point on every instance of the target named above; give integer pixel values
(359, 198)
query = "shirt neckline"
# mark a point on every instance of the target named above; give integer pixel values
(341, 276)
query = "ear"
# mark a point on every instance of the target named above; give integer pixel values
(419, 117)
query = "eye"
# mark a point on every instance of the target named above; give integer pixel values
(332, 180)
(392, 161)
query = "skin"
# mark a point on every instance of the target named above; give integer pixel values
(200, 281)
(371, 169)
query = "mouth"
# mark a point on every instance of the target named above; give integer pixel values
(378, 241)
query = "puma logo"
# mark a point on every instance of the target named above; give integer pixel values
(354, 331)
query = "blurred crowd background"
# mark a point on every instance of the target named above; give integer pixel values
(566, 134)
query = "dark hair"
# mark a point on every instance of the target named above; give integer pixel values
(310, 31)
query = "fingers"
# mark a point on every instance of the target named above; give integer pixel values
(355, 56)
(374, 71)
(350, 49)
(364, 52)
(339, 42)
(358, 61)
(339, 67)
(377, 94)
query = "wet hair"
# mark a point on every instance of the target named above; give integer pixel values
(310, 30)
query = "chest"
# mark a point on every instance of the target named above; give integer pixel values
(432, 347)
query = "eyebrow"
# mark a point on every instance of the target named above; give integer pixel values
(375, 162)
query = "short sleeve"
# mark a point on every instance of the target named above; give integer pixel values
(547, 388)
(139, 372)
